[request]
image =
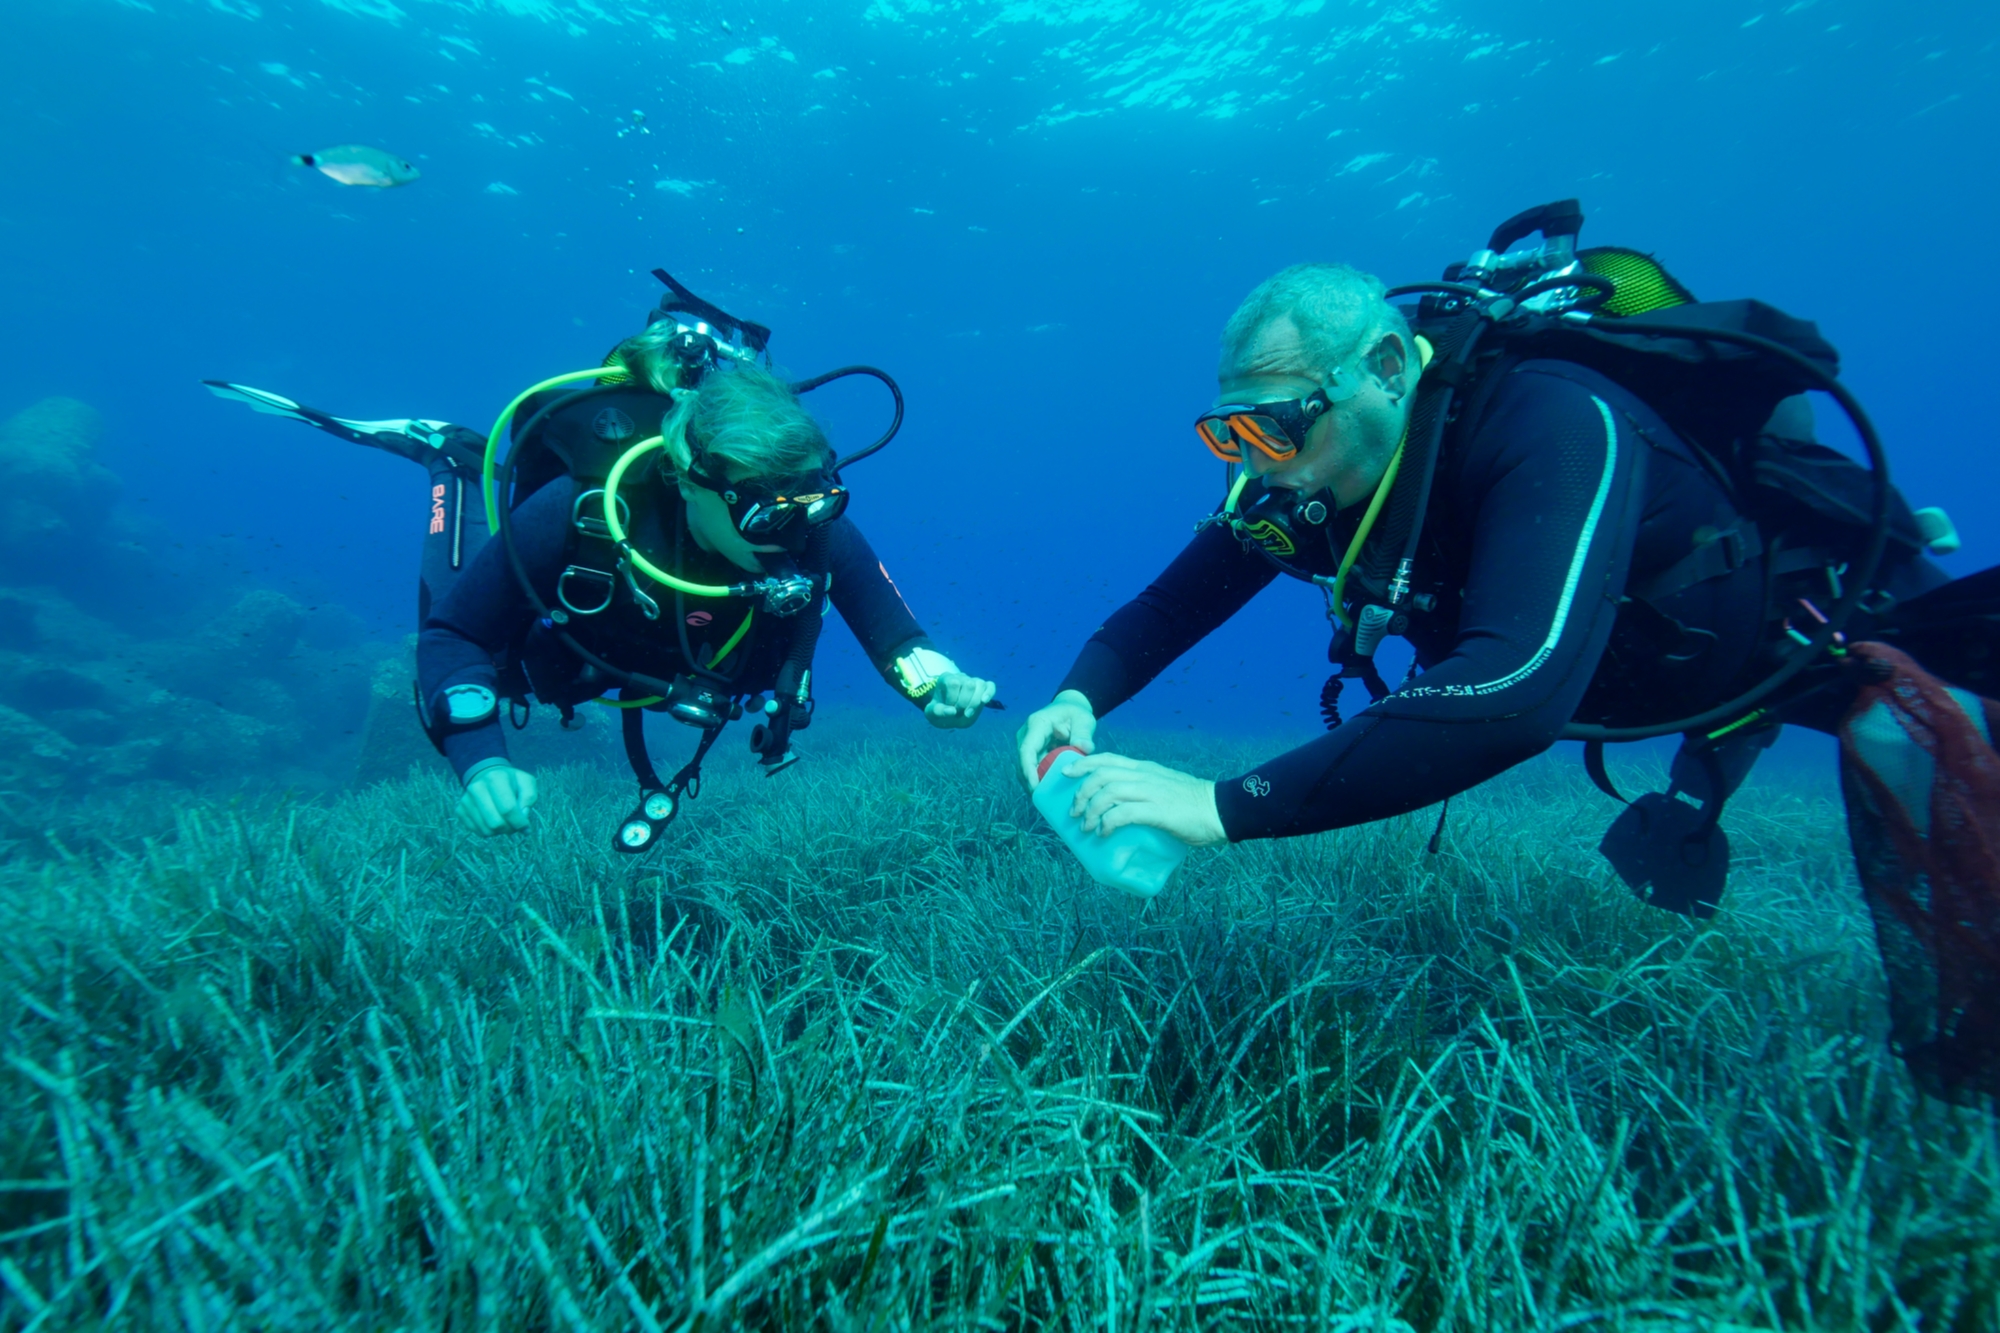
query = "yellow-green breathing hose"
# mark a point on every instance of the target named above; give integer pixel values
(616, 528)
(611, 522)
(647, 567)
(1367, 526)
(505, 420)
(1382, 488)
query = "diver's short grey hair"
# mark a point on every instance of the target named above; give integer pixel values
(1338, 311)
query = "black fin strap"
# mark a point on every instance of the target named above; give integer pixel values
(1593, 764)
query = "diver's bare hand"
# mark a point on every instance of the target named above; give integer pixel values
(1114, 791)
(497, 799)
(1067, 719)
(957, 700)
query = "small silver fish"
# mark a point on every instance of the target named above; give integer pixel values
(355, 164)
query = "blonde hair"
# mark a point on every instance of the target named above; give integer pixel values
(746, 417)
(742, 415)
(1338, 311)
(644, 357)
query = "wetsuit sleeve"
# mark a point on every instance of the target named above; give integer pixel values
(1209, 581)
(469, 628)
(1548, 485)
(868, 600)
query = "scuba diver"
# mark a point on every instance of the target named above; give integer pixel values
(1594, 507)
(674, 531)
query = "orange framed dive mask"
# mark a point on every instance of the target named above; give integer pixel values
(1276, 430)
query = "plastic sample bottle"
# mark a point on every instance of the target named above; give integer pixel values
(1136, 859)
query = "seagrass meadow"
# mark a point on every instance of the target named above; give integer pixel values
(860, 1048)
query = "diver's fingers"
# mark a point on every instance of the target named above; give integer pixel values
(965, 696)
(944, 715)
(1147, 813)
(1094, 773)
(519, 794)
(1103, 763)
(480, 811)
(1113, 794)
(1031, 742)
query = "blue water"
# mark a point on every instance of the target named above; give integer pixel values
(1036, 215)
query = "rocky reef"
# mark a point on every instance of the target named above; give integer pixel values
(84, 704)
(92, 696)
(52, 489)
(114, 673)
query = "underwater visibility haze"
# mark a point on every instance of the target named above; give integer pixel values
(858, 1045)
(1036, 217)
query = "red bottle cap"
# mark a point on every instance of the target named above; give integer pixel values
(1050, 758)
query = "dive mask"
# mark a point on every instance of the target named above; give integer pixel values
(1276, 430)
(773, 515)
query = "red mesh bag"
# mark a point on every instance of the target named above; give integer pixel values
(1921, 781)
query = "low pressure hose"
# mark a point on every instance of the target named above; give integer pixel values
(895, 422)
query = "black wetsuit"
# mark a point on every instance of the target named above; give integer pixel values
(1553, 498)
(483, 618)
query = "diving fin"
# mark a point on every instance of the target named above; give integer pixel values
(1667, 846)
(416, 439)
(1661, 849)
